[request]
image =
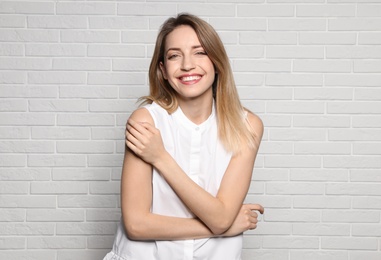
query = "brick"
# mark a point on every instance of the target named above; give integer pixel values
(318, 229)
(45, 160)
(318, 66)
(369, 10)
(60, 133)
(276, 148)
(86, 120)
(269, 10)
(242, 24)
(85, 147)
(297, 135)
(321, 121)
(367, 202)
(29, 91)
(57, 22)
(57, 77)
(84, 201)
(270, 228)
(89, 36)
(319, 255)
(16, 63)
(12, 21)
(276, 121)
(59, 187)
(218, 9)
(26, 229)
(354, 134)
(116, 78)
(57, 106)
(115, 50)
(103, 215)
(290, 242)
(55, 50)
(277, 188)
(28, 201)
(11, 49)
(267, 93)
(80, 64)
(13, 105)
(365, 175)
(270, 201)
(321, 202)
(367, 230)
(137, 65)
(359, 255)
(12, 77)
(29, 35)
(86, 228)
(353, 80)
(367, 66)
(119, 22)
(25, 7)
(114, 106)
(369, 38)
(147, 9)
(27, 174)
(252, 242)
(353, 189)
(328, 10)
(295, 107)
(12, 215)
(100, 242)
(294, 80)
(132, 92)
(12, 160)
(265, 254)
(319, 175)
(83, 8)
(296, 24)
(262, 66)
(85, 174)
(268, 38)
(349, 243)
(366, 121)
(327, 38)
(366, 148)
(82, 254)
(139, 37)
(322, 148)
(105, 160)
(27, 254)
(353, 52)
(330, 93)
(105, 188)
(346, 216)
(87, 92)
(354, 24)
(296, 52)
(19, 132)
(10, 243)
(56, 242)
(348, 161)
(26, 146)
(56, 215)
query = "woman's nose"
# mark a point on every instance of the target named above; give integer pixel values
(187, 64)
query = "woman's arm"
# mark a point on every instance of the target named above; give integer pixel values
(136, 199)
(217, 213)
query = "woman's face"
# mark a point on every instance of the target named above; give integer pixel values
(186, 66)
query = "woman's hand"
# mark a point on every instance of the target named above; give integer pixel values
(145, 141)
(246, 219)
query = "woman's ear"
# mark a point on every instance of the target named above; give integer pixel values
(163, 71)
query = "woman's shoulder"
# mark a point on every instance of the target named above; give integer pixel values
(142, 115)
(255, 122)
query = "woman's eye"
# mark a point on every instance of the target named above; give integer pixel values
(172, 56)
(201, 53)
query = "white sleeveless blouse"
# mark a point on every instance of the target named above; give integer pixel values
(200, 154)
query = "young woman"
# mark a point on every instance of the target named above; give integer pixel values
(190, 153)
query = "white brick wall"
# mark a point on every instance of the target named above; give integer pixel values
(71, 71)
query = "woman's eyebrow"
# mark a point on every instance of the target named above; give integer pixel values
(179, 49)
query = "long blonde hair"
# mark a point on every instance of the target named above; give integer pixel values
(233, 130)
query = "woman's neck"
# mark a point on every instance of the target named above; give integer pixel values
(198, 111)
